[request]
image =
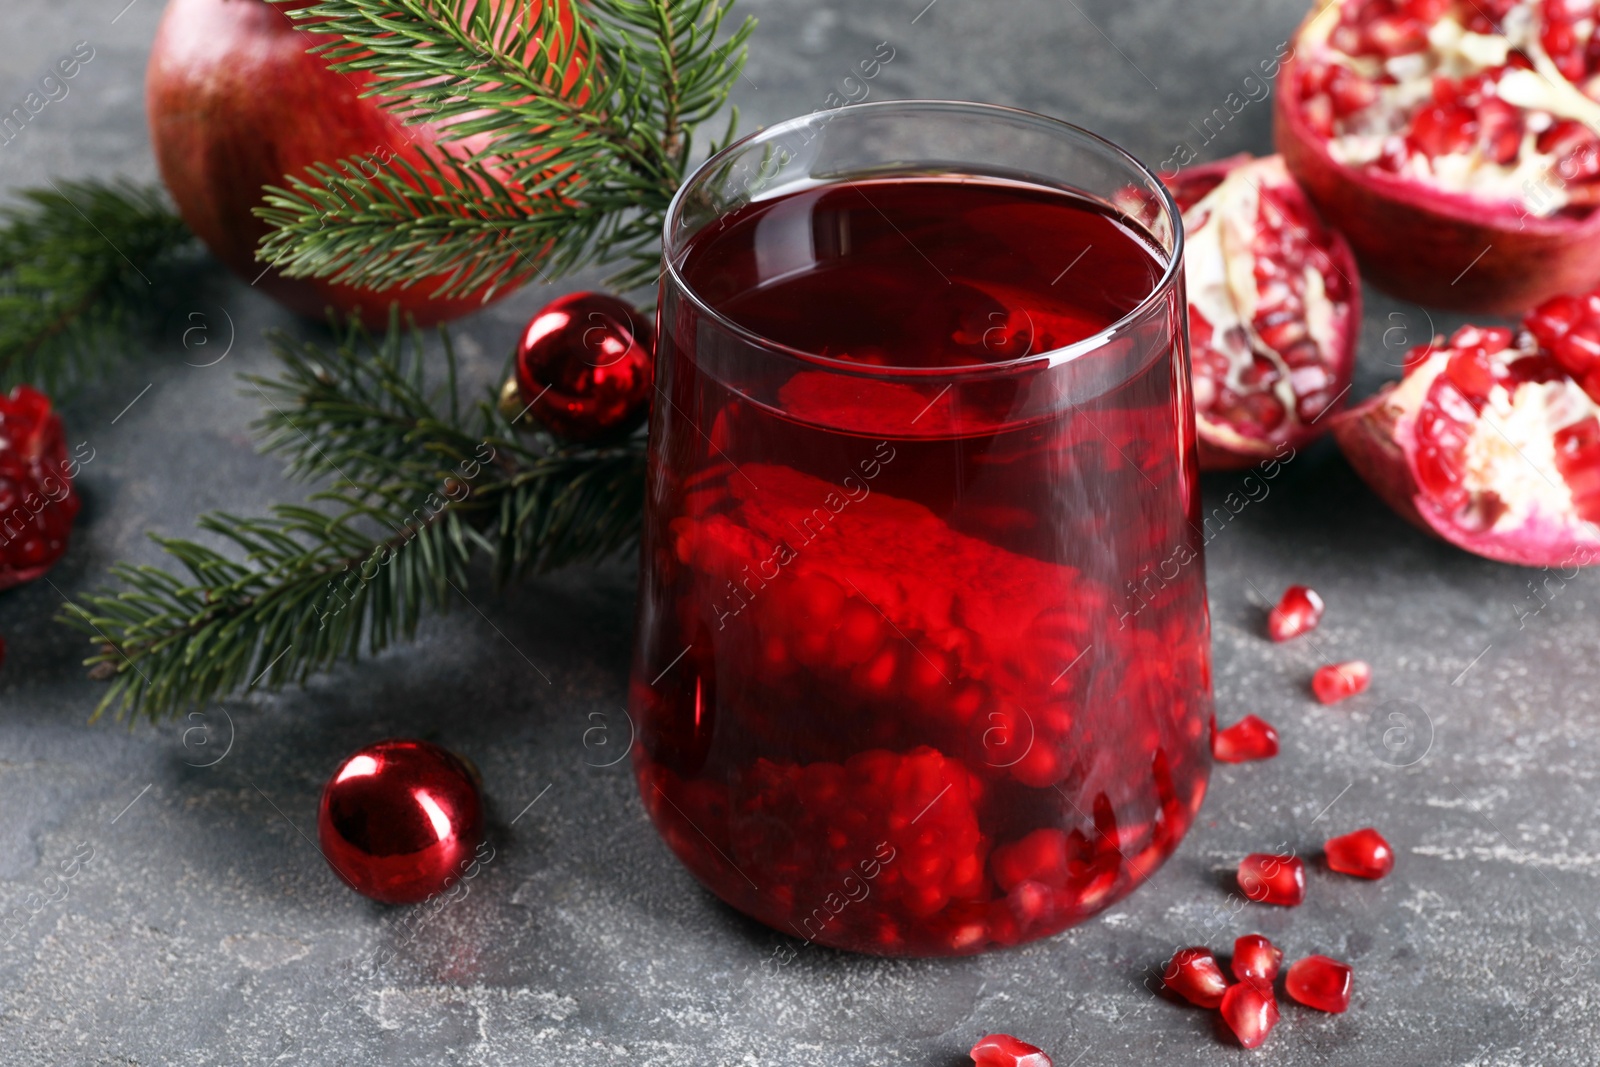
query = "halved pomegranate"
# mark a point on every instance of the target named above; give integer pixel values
(1274, 310)
(1453, 142)
(1489, 442)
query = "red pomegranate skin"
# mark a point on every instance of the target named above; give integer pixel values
(1426, 245)
(235, 103)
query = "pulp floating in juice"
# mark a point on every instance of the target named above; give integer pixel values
(923, 658)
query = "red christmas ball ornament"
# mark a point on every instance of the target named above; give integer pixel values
(235, 102)
(585, 367)
(37, 501)
(400, 820)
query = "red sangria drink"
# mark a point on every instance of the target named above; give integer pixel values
(923, 656)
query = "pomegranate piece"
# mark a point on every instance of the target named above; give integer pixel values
(1298, 611)
(1274, 310)
(1492, 439)
(37, 499)
(1003, 1050)
(1250, 1013)
(1319, 982)
(1452, 142)
(1193, 974)
(1255, 959)
(1363, 853)
(1248, 739)
(1271, 879)
(1340, 681)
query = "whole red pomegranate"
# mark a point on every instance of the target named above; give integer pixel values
(1274, 310)
(235, 103)
(1490, 441)
(1453, 142)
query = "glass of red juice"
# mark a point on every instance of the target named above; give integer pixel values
(923, 657)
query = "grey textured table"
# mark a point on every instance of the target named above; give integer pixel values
(206, 929)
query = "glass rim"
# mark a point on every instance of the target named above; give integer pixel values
(1053, 357)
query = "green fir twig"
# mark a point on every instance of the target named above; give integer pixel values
(569, 130)
(86, 268)
(417, 491)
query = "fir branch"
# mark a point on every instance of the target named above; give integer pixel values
(420, 491)
(580, 117)
(85, 267)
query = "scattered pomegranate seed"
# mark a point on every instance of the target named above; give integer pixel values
(1319, 982)
(1003, 1050)
(1257, 960)
(1363, 853)
(1336, 681)
(1248, 739)
(1250, 1013)
(1193, 974)
(1269, 879)
(1298, 611)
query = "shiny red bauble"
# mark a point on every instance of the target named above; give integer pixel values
(586, 366)
(235, 103)
(400, 820)
(37, 500)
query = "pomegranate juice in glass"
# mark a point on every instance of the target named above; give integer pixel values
(923, 662)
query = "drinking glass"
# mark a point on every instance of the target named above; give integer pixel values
(923, 653)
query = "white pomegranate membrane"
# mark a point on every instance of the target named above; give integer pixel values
(1491, 100)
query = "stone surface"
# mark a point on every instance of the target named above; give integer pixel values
(204, 928)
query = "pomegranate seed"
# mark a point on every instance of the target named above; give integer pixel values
(1298, 611)
(1250, 1013)
(1319, 982)
(1193, 974)
(1350, 92)
(1483, 340)
(1499, 130)
(1003, 1050)
(1364, 854)
(1248, 739)
(1257, 960)
(1569, 329)
(1269, 879)
(1393, 35)
(1444, 129)
(1469, 372)
(1337, 681)
(1425, 11)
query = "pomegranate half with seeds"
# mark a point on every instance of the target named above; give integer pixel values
(1274, 310)
(1453, 142)
(1489, 442)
